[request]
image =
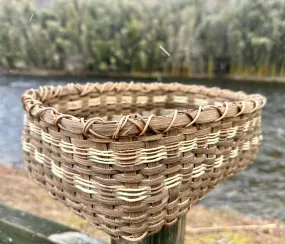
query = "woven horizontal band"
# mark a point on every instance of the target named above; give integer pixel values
(132, 157)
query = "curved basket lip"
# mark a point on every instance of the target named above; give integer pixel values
(135, 124)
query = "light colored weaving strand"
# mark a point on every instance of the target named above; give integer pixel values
(132, 158)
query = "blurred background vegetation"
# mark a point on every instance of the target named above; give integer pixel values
(246, 36)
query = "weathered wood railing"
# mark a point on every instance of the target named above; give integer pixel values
(19, 227)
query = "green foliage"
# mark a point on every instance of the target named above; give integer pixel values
(124, 35)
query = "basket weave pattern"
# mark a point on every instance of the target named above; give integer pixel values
(132, 157)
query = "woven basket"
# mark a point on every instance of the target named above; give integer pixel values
(132, 157)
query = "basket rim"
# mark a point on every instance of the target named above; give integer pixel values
(136, 124)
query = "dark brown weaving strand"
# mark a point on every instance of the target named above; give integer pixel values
(134, 157)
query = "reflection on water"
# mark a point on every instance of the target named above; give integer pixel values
(259, 190)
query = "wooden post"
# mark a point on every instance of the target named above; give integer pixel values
(171, 235)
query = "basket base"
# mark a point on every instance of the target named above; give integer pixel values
(171, 235)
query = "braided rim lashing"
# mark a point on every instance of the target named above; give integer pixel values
(134, 157)
(33, 102)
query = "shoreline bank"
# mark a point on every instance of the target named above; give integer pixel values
(32, 198)
(138, 75)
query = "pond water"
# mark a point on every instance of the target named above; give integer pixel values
(259, 190)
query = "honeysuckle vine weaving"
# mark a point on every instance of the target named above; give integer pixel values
(133, 157)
